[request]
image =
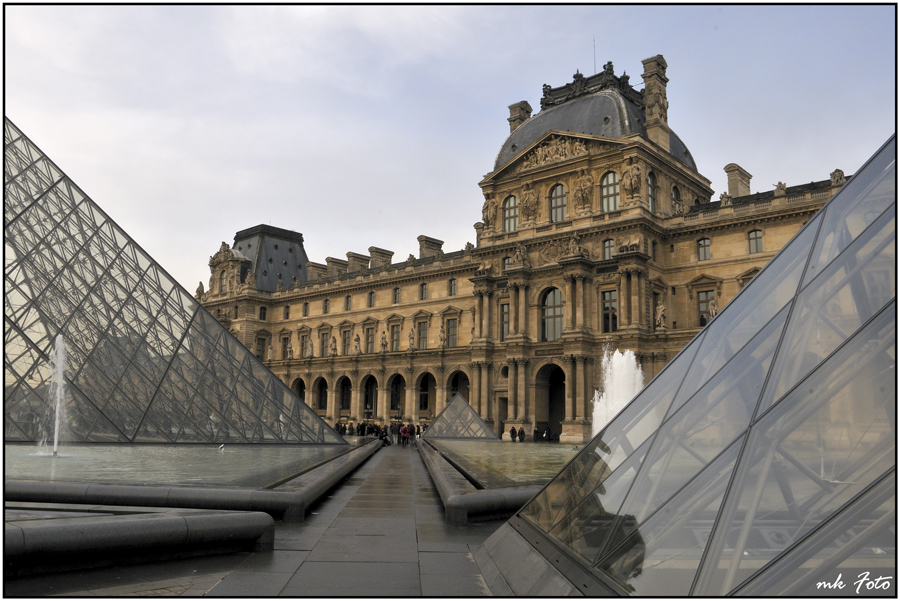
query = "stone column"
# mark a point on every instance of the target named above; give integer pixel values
(623, 299)
(523, 310)
(514, 309)
(523, 389)
(479, 314)
(485, 390)
(581, 396)
(440, 397)
(569, 369)
(579, 296)
(475, 391)
(354, 400)
(383, 406)
(512, 390)
(332, 410)
(410, 395)
(569, 303)
(635, 298)
(486, 329)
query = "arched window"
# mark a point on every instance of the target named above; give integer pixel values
(222, 281)
(557, 203)
(323, 395)
(609, 192)
(506, 262)
(551, 315)
(676, 195)
(651, 191)
(510, 214)
(608, 249)
(703, 250)
(756, 241)
(345, 394)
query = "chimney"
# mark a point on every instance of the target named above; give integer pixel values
(519, 113)
(336, 266)
(429, 247)
(315, 271)
(655, 104)
(357, 262)
(738, 180)
(380, 257)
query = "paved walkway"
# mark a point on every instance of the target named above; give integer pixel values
(379, 533)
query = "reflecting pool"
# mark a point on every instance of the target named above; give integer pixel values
(253, 466)
(497, 464)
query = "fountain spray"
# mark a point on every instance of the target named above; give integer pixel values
(622, 380)
(57, 385)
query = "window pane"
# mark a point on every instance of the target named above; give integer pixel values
(829, 439)
(558, 203)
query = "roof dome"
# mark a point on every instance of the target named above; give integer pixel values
(601, 105)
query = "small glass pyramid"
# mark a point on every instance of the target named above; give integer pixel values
(459, 420)
(762, 460)
(145, 362)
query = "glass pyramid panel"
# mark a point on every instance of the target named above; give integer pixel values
(459, 420)
(727, 485)
(145, 362)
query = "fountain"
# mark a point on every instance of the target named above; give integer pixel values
(622, 380)
(57, 396)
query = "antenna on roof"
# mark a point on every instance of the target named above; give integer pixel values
(595, 54)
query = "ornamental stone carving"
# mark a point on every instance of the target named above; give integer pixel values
(584, 185)
(631, 178)
(837, 178)
(660, 315)
(332, 349)
(631, 243)
(522, 256)
(551, 252)
(581, 85)
(488, 211)
(528, 206)
(199, 292)
(557, 148)
(725, 199)
(780, 189)
(384, 344)
(357, 347)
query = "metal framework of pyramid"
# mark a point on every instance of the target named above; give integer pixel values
(145, 362)
(761, 461)
(459, 420)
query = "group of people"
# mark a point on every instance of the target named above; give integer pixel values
(519, 435)
(403, 434)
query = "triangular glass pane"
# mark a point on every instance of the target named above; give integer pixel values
(459, 420)
(854, 207)
(828, 439)
(854, 287)
(766, 295)
(663, 552)
(720, 412)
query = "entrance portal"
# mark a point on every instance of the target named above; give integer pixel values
(550, 400)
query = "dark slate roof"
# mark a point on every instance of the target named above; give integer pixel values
(789, 191)
(276, 255)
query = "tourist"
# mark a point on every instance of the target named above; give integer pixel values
(512, 433)
(395, 431)
(547, 434)
(403, 435)
(536, 436)
(521, 434)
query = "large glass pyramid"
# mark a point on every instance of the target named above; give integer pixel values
(459, 420)
(762, 460)
(145, 362)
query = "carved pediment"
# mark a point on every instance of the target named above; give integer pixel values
(345, 325)
(369, 322)
(394, 318)
(704, 281)
(555, 147)
(324, 327)
(451, 311)
(746, 276)
(421, 315)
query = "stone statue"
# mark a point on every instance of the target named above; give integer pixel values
(469, 246)
(583, 186)
(279, 287)
(712, 307)
(442, 337)
(488, 211)
(837, 178)
(332, 351)
(412, 339)
(631, 178)
(410, 259)
(522, 256)
(780, 189)
(384, 344)
(312, 348)
(660, 315)
(528, 207)
(199, 292)
(357, 348)
(270, 353)
(290, 350)
(725, 199)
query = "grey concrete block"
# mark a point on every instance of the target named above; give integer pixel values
(447, 563)
(443, 585)
(250, 584)
(13, 540)
(277, 561)
(238, 526)
(492, 576)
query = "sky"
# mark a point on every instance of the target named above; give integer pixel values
(365, 126)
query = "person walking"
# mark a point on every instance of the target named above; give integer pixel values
(512, 433)
(536, 436)
(521, 434)
(403, 434)
(395, 432)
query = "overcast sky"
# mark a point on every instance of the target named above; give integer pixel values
(368, 126)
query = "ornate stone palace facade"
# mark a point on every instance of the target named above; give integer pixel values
(597, 232)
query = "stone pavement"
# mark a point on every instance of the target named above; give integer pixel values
(379, 533)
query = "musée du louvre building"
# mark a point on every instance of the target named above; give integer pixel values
(597, 231)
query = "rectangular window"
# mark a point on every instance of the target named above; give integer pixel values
(287, 311)
(703, 250)
(284, 347)
(504, 321)
(345, 342)
(325, 304)
(704, 297)
(371, 299)
(396, 296)
(653, 250)
(756, 245)
(324, 344)
(370, 340)
(395, 338)
(422, 343)
(610, 312)
(304, 345)
(451, 333)
(260, 348)
(347, 303)
(423, 291)
(262, 313)
(451, 288)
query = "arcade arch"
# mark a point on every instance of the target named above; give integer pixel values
(550, 399)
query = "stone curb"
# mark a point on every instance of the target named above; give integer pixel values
(462, 501)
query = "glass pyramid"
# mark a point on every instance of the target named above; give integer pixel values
(762, 460)
(145, 362)
(458, 420)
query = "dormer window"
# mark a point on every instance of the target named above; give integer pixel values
(222, 281)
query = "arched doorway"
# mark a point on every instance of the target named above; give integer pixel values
(321, 388)
(550, 399)
(458, 383)
(397, 397)
(299, 388)
(344, 392)
(425, 400)
(370, 397)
